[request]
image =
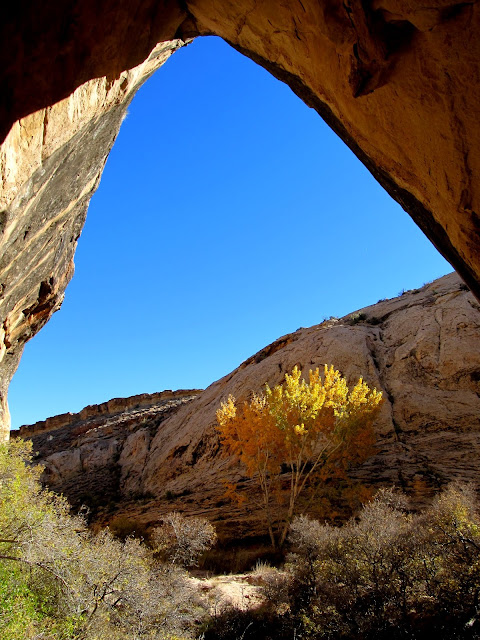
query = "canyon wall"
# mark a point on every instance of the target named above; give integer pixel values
(50, 165)
(421, 349)
(97, 414)
(397, 80)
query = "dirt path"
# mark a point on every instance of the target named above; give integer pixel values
(233, 590)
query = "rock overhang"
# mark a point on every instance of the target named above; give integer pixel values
(399, 83)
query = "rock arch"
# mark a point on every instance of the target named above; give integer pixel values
(399, 83)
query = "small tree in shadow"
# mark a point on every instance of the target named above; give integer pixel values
(182, 541)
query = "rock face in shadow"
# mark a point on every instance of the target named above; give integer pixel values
(421, 349)
(397, 80)
(95, 457)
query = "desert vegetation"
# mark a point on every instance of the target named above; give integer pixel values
(387, 573)
(59, 581)
(315, 429)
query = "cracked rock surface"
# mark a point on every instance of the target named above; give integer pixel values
(421, 349)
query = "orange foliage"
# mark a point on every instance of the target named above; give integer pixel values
(317, 428)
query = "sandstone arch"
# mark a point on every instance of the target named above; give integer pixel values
(400, 84)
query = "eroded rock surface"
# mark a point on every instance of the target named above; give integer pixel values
(98, 455)
(50, 165)
(399, 81)
(421, 349)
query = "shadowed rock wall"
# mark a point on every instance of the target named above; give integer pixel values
(397, 80)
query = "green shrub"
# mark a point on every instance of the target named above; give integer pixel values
(59, 581)
(355, 318)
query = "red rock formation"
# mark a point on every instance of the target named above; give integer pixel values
(397, 80)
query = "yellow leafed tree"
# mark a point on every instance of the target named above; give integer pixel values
(311, 427)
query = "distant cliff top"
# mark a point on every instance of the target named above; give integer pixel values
(110, 408)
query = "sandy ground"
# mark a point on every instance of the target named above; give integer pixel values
(232, 590)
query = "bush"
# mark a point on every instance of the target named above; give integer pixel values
(181, 540)
(58, 581)
(386, 575)
(253, 624)
(390, 574)
(355, 318)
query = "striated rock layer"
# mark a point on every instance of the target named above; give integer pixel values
(50, 165)
(421, 349)
(97, 414)
(399, 81)
(89, 455)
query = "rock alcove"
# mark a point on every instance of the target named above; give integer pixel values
(399, 83)
(209, 237)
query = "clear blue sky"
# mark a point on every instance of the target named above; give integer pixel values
(228, 215)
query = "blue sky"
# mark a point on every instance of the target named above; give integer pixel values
(228, 215)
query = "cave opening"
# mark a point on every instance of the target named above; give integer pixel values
(228, 215)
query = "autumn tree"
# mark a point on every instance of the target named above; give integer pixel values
(311, 427)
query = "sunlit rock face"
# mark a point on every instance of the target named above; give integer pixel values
(50, 165)
(99, 452)
(421, 349)
(396, 79)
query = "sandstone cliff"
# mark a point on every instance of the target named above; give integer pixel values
(421, 349)
(50, 165)
(397, 80)
(89, 455)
